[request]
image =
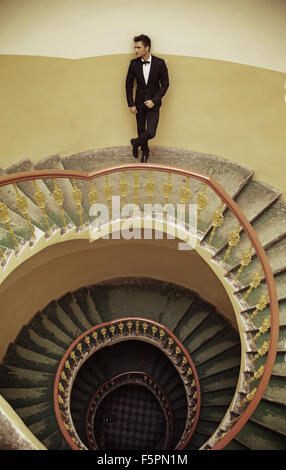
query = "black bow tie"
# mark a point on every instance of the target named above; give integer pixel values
(145, 61)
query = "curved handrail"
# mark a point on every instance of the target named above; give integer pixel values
(231, 204)
(108, 324)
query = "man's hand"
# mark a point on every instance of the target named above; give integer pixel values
(149, 104)
(133, 110)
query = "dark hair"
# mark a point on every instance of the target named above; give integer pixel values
(146, 41)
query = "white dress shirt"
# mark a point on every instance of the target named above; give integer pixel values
(146, 69)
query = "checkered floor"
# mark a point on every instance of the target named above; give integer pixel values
(130, 418)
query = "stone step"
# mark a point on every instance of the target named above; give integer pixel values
(70, 306)
(204, 332)
(31, 340)
(69, 206)
(142, 298)
(271, 415)
(254, 436)
(220, 381)
(34, 413)
(26, 397)
(253, 199)
(61, 319)
(224, 341)
(18, 221)
(19, 356)
(27, 187)
(24, 377)
(198, 312)
(223, 361)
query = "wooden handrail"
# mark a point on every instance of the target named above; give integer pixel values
(235, 209)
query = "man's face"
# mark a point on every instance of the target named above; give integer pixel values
(140, 50)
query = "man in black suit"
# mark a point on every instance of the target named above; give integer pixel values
(151, 75)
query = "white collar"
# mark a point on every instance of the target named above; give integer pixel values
(150, 58)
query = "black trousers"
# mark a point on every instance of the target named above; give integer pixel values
(147, 122)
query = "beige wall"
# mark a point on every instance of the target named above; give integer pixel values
(250, 32)
(52, 105)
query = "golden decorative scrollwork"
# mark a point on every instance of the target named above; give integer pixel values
(59, 198)
(77, 197)
(245, 260)
(23, 207)
(234, 239)
(262, 302)
(262, 329)
(4, 217)
(108, 191)
(255, 282)
(167, 189)
(261, 351)
(41, 203)
(202, 200)
(218, 219)
(123, 188)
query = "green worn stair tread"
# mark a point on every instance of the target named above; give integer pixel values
(275, 254)
(86, 304)
(206, 427)
(280, 364)
(199, 311)
(269, 227)
(55, 441)
(25, 377)
(44, 327)
(59, 317)
(19, 356)
(34, 413)
(275, 390)
(204, 332)
(31, 340)
(221, 362)
(165, 305)
(22, 397)
(225, 340)
(235, 445)
(271, 415)
(6, 239)
(44, 427)
(220, 381)
(27, 187)
(214, 413)
(68, 304)
(69, 206)
(253, 199)
(255, 437)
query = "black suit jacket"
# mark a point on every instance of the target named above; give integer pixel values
(157, 85)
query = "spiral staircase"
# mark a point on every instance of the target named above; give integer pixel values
(183, 355)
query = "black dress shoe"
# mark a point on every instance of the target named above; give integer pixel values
(134, 148)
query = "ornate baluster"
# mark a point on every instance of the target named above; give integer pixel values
(22, 205)
(150, 187)
(121, 326)
(245, 260)
(262, 329)
(262, 302)
(185, 195)
(218, 219)
(112, 330)
(87, 340)
(248, 397)
(108, 193)
(154, 329)
(255, 282)
(129, 326)
(123, 188)
(167, 189)
(257, 374)
(41, 203)
(261, 351)
(234, 239)
(92, 195)
(4, 217)
(136, 188)
(202, 200)
(77, 197)
(59, 198)
(2, 254)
